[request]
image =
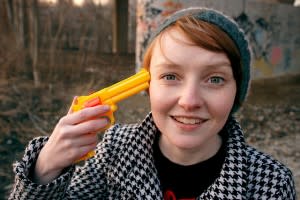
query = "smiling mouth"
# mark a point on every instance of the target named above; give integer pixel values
(188, 120)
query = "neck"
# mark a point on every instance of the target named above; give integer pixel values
(190, 156)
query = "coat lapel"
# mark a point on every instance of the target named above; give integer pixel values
(135, 171)
(231, 184)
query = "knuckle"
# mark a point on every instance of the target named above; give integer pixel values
(62, 120)
(63, 132)
(68, 145)
(82, 114)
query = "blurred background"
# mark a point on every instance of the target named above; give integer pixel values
(52, 50)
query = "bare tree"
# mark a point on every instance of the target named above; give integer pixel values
(64, 7)
(12, 36)
(19, 21)
(23, 19)
(7, 9)
(33, 38)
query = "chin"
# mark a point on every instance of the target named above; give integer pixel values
(187, 143)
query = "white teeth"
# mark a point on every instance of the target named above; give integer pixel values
(186, 120)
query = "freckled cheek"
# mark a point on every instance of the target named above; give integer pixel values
(160, 99)
(222, 104)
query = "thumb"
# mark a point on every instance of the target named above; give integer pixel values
(73, 102)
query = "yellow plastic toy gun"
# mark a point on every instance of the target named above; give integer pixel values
(111, 95)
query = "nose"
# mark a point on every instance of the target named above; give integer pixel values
(190, 97)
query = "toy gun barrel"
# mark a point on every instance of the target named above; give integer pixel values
(125, 88)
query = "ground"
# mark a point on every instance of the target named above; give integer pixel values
(270, 117)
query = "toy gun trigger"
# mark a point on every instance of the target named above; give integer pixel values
(97, 101)
(92, 102)
(110, 115)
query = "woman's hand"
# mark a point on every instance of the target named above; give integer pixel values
(73, 137)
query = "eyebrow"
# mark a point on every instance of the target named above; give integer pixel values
(219, 64)
(213, 65)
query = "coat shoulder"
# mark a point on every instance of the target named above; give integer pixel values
(258, 160)
(268, 176)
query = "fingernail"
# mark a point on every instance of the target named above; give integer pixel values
(106, 107)
(75, 99)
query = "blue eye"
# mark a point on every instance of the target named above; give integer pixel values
(216, 80)
(169, 77)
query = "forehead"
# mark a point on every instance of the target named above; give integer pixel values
(175, 34)
(173, 46)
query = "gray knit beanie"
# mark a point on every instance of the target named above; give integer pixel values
(230, 27)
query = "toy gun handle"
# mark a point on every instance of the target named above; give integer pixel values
(111, 95)
(110, 115)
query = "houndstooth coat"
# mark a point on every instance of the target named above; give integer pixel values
(123, 168)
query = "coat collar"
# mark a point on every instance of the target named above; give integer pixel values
(132, 166)
(231, 184)
(136, 172)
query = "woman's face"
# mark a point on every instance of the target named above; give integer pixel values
(192, 91)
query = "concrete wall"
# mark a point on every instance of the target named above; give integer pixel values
(273, 30)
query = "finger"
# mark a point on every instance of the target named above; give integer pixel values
(83, 150)
(86, 114)
(89, 126)
(73, 102)
(83, 140)
(86, 139)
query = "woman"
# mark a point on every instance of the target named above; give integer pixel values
(188, 147)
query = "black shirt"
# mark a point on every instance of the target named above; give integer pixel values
(188, 182)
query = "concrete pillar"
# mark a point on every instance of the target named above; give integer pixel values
(120, 26)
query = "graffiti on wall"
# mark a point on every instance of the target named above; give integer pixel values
(261, 33)
(149, 14)
(273, 35)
